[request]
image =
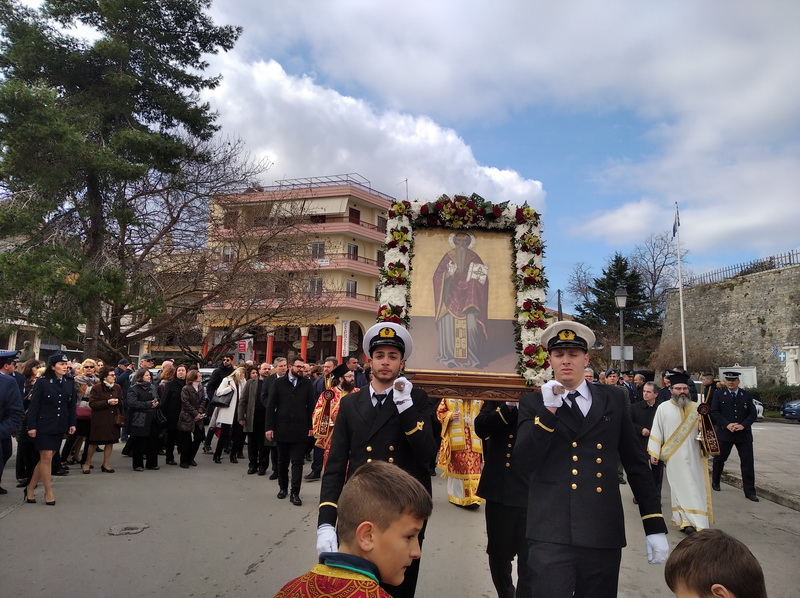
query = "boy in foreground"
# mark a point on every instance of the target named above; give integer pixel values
(381, 512)
(712, 564)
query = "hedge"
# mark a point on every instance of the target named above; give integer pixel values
(773, 397)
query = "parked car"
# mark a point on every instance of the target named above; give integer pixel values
(205, 375)
(759, 409)
(791, 409)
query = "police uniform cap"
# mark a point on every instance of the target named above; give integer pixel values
(676, 377)
(611, 371)
(9, 356)
(731, 375)
(57, 358)
(388, 333)
(564, 335)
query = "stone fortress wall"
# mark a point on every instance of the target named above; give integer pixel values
(743, 317)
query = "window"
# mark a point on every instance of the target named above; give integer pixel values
(382, 223)
(377, 292)
(228, 253)
(351, 288)
(317, 250)
(317, 218)
(352, 251)
(315, 286)
(230, 219)
(381, 258)
(355, 216)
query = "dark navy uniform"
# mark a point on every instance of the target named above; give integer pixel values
(11, 416)
(574, 507)
(727, 409)
(52, 410)
(504, 486)
(642, 416)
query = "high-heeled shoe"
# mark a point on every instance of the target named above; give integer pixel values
(28, 500)
(105, 469)
(50, 503)
(234, 459)
(86, 470)
(217, 459)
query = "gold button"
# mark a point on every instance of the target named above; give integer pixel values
(510, 446)
(574, 445)
(369, 460)
(599, 445)
(508, 464)
(508, 455)
(391, 448)
(574, 457)
(599, 489)
(599, 475)
(391, 460)
(574, 486)
(369, 449)
(599, 460)
(511, 436)
(574, 472)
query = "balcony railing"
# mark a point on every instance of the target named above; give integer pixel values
(324, 260)
(325, 219)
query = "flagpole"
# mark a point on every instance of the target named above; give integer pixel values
(676, 229)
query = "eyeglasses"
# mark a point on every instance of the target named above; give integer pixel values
(88, 367)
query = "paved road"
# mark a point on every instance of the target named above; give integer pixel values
(215, 531)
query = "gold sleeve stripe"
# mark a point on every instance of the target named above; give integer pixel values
(500, 413)
(541, 425)
(653, 516)
(417, 428)
(329, 504)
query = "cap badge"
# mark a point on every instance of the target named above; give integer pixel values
(566, 335)
(387, 332)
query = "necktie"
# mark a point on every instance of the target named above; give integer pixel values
(379, 398)
(573, 396)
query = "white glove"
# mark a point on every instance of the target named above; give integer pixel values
(327, 540)
(512, 404)
(402, 394)
(550, 398)
(657, 548)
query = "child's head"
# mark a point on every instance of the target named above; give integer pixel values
(712, 563)
(381, 512)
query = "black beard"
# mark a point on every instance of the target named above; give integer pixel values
(347, 386)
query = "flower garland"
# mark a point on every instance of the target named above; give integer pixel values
(463, 212)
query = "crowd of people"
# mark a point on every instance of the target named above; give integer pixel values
(556, 510)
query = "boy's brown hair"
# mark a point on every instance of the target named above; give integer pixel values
(381, 493)
(710, 557)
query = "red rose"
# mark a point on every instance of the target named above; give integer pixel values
(424, 210)
(391, 213)
(438, 206)
(530, 364)
(497, 211)
(530, 350)
(404, 249)
(433, 221)
(471, 205)
(528, 305)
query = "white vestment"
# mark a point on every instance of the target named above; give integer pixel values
(673, 440)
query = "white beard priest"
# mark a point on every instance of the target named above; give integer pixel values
(674, 440)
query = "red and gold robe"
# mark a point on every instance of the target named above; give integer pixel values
(324, 581)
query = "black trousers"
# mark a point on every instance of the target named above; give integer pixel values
(558, 570)
(745, 450)
(170, 441)
(27, 456)
(144, 449)
(189, 443)
(505, 530)
(257, 453)
(293, 452)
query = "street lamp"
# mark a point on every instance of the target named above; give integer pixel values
(621, 299)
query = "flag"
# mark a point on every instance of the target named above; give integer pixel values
(677, 221)
(774, 350)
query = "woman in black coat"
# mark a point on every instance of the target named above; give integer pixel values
(171, 408)
(51, 414)
(190, 422)
(142, 403)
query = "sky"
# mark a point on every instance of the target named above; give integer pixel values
(600, 114)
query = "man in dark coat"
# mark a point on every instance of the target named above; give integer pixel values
(279, 369)
(388, 420)
(290, 404)
(505, 488)
(11, 412)
(642, 415)
(733, 413)
(220, 373)
(571, 435)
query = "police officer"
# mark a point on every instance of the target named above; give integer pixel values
(571, 435)
(733, 412)
(505, 488)
(11, 412)
(387, 420)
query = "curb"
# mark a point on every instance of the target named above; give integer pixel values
(766, 491)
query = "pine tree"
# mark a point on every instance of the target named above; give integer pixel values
(83, 123)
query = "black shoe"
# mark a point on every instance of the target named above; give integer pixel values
(154, 468)
(295, 499)
(217, 459)
(234, 459)
(282, 494)
(752, 497)
(622, 480)
(314, 475)
(226, 450)
(240, 455)
(138, 469)
(61, 472)
(206, 449)
(3, 490)
(689, 530)
(273, 475)
(251, 470)
(22, 483)
(715, 487)
(128, 454)
(308, 456)
(171, 462)
(193, 463)
(29, 500)
(262, 471)
(185, 465)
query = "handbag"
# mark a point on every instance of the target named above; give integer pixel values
(120, 420)
(83, 412)
(222, 398)
(160, 417)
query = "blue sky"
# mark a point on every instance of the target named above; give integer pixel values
(601, 114)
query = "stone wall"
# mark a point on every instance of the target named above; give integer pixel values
(743, 317)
